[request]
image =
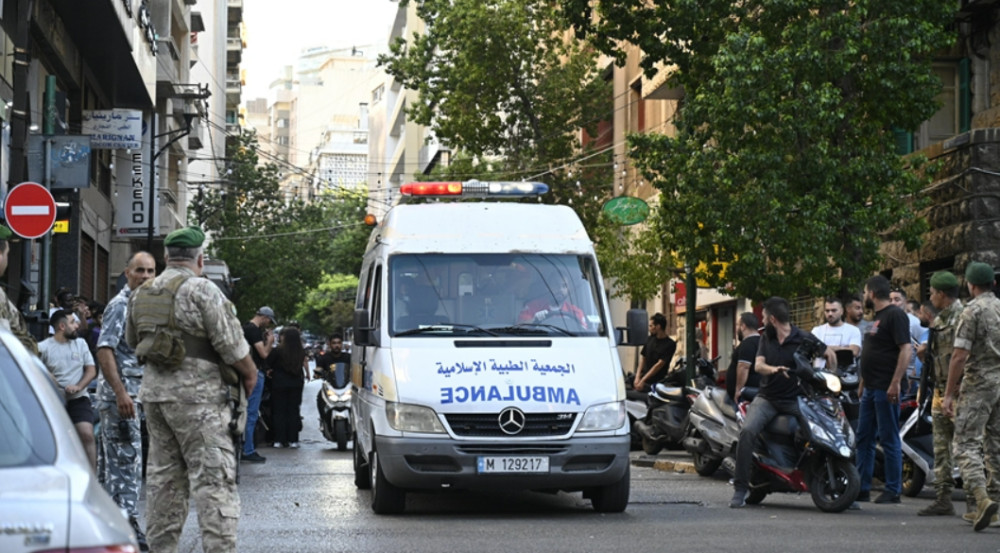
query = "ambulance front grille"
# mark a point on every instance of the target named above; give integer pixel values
(487, 425)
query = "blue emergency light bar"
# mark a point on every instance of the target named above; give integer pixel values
(474, 189)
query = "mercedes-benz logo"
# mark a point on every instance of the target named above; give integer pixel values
(512, 420)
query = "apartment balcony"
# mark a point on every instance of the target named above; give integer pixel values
(234, 50)
(233, 89)
(235, 9)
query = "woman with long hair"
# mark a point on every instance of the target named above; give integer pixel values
(287, 369)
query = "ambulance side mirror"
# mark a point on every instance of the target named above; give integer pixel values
(636, 328)
(364, 334)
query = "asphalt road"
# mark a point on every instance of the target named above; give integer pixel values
(304, 500)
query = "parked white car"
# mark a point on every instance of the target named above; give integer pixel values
(50, 499)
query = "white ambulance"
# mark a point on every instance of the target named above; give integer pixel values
(484, 355)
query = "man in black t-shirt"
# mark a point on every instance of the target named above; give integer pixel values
(885, 355)
(779, 391)
(335, 354)
(258, 334)
(655, 356)
(741, 371)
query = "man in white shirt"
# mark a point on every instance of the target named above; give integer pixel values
(836, 334)
(69, 360)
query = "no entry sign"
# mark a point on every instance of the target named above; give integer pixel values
(30, 210)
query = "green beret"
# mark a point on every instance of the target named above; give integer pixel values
(979, 273)
(5, 233)
(190, 237)
(944, 280)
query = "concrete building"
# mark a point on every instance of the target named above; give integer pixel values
(130, 56)
(398, 148)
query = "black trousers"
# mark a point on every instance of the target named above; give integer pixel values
(286, 416)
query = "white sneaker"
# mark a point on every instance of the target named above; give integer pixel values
(277, 445)
(294, 445)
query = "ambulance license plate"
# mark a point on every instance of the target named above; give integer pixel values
(512, 464)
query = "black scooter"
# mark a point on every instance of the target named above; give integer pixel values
(788, 458)
(334, 402)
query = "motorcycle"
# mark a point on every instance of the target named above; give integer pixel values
(789, 458)
(334, 402)
(669, 402)
(714, 428)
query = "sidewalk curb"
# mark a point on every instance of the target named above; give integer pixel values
(680, 467)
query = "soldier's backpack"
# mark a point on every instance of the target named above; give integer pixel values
(152, 311)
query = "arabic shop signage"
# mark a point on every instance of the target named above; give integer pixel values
(113, 129)
(626, 210)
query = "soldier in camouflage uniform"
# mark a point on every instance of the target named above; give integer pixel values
(944, 296)
(117, 388)
(191, 449)
(10, 318)
(976, 362)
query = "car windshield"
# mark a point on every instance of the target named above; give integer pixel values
(25, 437)
(494, 295)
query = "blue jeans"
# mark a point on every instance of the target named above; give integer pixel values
(879, 418)
(253, 412)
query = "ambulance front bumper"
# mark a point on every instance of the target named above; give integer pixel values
(569, 465)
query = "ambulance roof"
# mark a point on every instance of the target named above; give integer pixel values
(482, 227)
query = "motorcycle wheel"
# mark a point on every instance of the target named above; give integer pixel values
(651, 447)
(340, 434)
(836, 495)
(706, 466)
(387, 499)
(613, 498)
(913, 478)
(362, 479)
(755, 497)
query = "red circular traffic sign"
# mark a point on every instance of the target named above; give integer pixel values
(30, 210)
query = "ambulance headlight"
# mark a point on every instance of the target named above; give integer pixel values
(413, 418)
(607, 416)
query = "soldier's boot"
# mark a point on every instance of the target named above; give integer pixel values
(140, 536)
(985, 510)
(942, 506)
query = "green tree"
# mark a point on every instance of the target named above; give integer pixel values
(278, 248)
(784, 165)
(329, 306)
(503, 83)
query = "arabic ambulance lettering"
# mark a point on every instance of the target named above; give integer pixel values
(508, 393)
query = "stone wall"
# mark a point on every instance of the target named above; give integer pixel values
(964, 216)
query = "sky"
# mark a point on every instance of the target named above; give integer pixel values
(277, 30)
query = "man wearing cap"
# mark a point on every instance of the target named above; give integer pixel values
(258, 334)
(117, 393)
(10, 317)
(976, 362)
(944, 296)
(191, 449)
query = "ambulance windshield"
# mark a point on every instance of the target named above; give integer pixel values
(494, 295)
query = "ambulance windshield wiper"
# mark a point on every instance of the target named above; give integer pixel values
(533, 328)
(469, 329)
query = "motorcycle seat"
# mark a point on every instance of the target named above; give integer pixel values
(636, 395)
(723, 402)
(668, 393)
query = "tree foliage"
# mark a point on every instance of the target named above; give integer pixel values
(330, 305)
(503, 83)
(784, 165)
(278, 248)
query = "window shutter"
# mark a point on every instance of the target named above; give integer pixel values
(964, 96)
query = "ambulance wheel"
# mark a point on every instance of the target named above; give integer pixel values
(362, 478)
(613, 498)
(387, 499)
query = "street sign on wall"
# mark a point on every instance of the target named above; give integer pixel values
(30, 210)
